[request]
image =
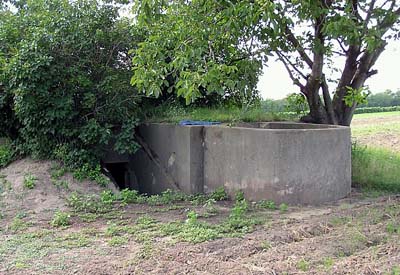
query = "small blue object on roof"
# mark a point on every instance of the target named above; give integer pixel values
(198, 123)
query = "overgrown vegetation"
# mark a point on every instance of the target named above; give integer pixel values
(64, 80)
(7, 152)
(375, 168)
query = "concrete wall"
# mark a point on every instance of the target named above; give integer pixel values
(285, 162)
(282, 162)
(178, 150)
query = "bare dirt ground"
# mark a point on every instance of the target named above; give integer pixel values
(357, 235)
(378, 130)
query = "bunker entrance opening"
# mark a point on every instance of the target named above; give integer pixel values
(120, 173)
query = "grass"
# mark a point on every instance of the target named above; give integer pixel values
(375, 169)
(174, 114)
(373, 129)
(372, 115)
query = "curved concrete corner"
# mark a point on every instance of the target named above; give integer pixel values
(293, 163)
(285, 162)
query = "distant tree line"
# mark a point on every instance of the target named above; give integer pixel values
(387, 98)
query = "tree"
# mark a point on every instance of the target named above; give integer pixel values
(194, 49)
(64, 79)
(307, 36)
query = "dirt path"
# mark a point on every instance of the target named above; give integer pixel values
(354, 236)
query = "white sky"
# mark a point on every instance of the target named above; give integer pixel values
(276, 84)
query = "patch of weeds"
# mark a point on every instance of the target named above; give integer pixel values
(393, 228)
(395, 271)
(61, 184)
(23, 248)
(210, 207)
(198, 199)
(375, 169)
(145, 222)
(107, 197)
(266, 204)
(303, 265)
(328, 263)
(57, 171)
(219, 194)
(283, 207)
(113, 230)
(88, 217)
(73, 240)
(118, 241)
(91, 173)
(127, 196)
(17, 225)
(166, 197)
(341, 220)
(87, 203)
(166, 209)
(61, 219)
(29, 181)
(238, 220)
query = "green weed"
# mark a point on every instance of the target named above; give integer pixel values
(61, 219)
(107, 197)
(303, 265)
(393, 228)
(128, 196)
(29, 181)
(266, 204)
(283, 207)
(87, 203)
(118, 241)
(219, 194)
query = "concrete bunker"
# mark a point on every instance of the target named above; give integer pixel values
(287, 162)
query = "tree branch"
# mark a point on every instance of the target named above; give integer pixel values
(292, 77)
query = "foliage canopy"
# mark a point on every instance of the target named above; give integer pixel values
(205, 46)
(64, 79)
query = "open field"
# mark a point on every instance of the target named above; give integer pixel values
(45, 231)
(380, 130)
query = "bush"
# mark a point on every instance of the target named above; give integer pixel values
(65, 80)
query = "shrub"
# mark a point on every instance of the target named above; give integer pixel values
(65, 80)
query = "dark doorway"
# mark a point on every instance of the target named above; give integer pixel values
(119, 173)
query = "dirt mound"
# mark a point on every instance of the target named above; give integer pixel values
(46, 194)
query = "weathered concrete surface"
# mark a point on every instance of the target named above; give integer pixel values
(178, 150)
(285, 162)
